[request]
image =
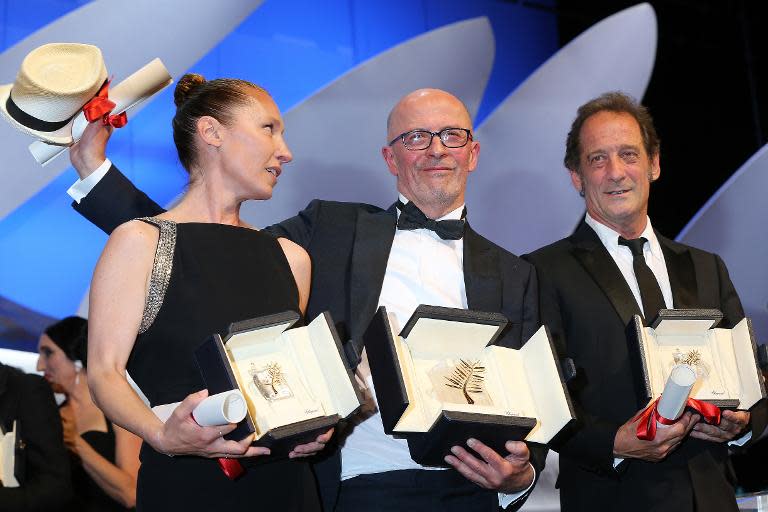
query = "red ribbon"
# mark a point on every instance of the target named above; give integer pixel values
(100, 106)
(646, 426)
(231, 467)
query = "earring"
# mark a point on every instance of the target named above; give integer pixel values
(78, 367)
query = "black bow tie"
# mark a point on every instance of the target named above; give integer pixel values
(411, 217)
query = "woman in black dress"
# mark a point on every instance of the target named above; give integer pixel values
(164, 284)
(105, 457)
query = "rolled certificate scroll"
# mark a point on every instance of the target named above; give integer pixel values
(219, 409)
(668, 408)
(675, 395)
(144, 83)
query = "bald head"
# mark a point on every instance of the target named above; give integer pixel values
(418, 103)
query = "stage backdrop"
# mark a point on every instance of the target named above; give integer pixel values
(335, 81)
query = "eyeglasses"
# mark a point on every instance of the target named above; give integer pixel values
(416, 140)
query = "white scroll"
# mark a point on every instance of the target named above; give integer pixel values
(676, 391)
(219, 409)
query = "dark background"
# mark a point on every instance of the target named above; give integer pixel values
(708, 93)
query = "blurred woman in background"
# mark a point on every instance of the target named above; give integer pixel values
(105, 457)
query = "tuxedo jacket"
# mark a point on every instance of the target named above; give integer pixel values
(349, 244)
(45, 484)
(587, 304)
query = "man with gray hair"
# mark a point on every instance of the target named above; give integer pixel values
(615, 265)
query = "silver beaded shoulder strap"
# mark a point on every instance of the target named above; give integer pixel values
(161, 269)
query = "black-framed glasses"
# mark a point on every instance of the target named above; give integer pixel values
(416, 140)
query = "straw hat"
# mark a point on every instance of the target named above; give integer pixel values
(53, 84)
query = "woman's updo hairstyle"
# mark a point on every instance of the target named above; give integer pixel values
(71, 336)
(196, 97)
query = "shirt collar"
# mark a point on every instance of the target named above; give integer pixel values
(452, 215)
(610, 238)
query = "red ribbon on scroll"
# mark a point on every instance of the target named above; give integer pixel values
(646, 427)
(100, 106)
(231, 467)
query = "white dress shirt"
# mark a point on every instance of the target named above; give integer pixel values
(621, 254)
(422, 269)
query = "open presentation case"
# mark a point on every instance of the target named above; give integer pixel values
(441, 381)
(295, 381)
(11, 464)
(725, 360)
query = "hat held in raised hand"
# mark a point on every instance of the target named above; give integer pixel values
(54, 82)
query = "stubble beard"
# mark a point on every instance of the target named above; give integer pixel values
(442, 195)
(441, 199)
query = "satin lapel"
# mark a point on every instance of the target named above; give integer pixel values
(481, 273)
(593, 256)
(682, 275)
(374, 233)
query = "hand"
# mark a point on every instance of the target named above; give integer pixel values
(626, 444)
(508, 474)
(181, 435)
(89, 152)
(309, 449)
(69, 427)
(732, 424)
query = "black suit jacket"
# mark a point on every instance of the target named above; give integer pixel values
(349, 244)
(28, 400)
(587, 305)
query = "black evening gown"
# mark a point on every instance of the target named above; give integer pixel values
(89, 497)
(204, 277)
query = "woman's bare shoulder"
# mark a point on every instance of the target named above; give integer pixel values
(294, 252)
(133, 241)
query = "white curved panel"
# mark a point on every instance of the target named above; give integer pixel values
(174, 30)
(336, 135)
(24, 361)
(521, 196)
(732, 224)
